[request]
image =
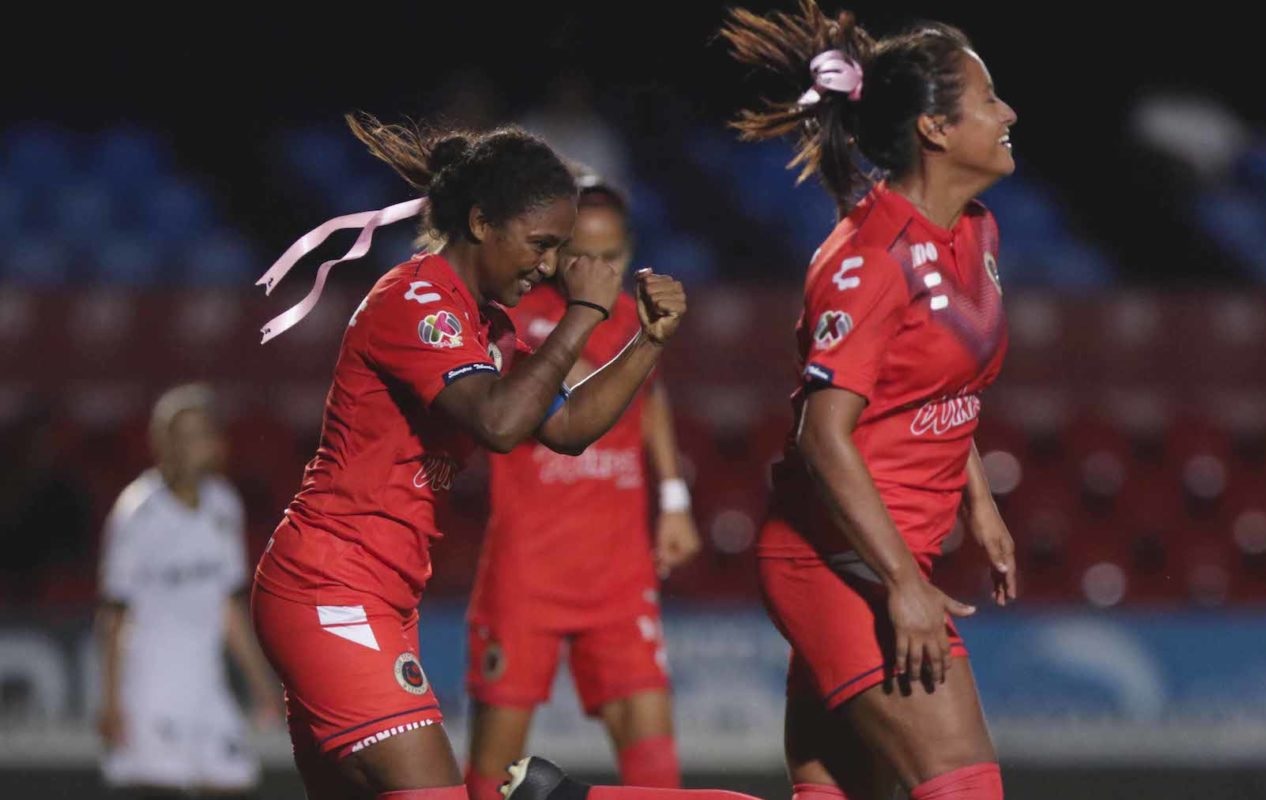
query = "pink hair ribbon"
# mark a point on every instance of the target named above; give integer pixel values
(833, 72)
(367, 221)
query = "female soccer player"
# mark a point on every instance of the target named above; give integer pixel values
(567, 555)
(430, 369)
(902, 329)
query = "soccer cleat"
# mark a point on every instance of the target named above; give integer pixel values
(535, 778)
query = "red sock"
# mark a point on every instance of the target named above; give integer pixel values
(643, 793)
(817, 791)
(438, 793)
(977, 782)
(481, 787)
(648, 762)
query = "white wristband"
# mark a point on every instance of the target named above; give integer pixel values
(673, 496)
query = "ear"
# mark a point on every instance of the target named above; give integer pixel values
(931, 129)
(478, 224)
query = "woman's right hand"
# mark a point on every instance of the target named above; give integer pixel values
(918, 610)
(592, 280)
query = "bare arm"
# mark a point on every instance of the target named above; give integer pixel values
(980, 514)
(917, 608)
(658, 434)
(676, 539)
(600, 400)
(502, 411)
(239, 637)
(110, 624)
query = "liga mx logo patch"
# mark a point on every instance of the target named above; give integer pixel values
(441, 329)
(409, 674)
(831, 329)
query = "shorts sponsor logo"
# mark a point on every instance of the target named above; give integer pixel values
(409, 674)
(831, 329)
(361, 744)
(468, 369)
(441, 329)
(944, 414)
(816, 373)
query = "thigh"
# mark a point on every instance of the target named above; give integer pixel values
(641, 715)
(836, 621)
(352, 673)
(823, 748)
(498, 736)
(620, 659)
(924, 730)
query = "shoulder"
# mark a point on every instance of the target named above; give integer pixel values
(847, 263)
(136, 499)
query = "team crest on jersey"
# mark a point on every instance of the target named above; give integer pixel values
(991, 268)
(494, 353)
(493, 663)
(409, 674)
(441, 329)
(831, 329)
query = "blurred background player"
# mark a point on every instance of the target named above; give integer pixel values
(902, 329)
(429, 371)
(567, 557)
(173, 576)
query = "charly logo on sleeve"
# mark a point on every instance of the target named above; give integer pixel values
(831, 329)
(441, 329)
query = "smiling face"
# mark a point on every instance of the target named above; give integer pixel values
(980, 139)
(517, 255)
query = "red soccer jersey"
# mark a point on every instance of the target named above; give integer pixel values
(364, 517)
(569, 535)
(908, 315)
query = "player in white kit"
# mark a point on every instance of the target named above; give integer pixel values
(173, 576)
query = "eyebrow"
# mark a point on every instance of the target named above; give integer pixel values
(547, 239)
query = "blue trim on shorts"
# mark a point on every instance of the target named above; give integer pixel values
(346, 731)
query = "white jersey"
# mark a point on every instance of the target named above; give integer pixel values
(174, 568)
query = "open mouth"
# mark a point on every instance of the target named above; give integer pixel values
(1005, 141)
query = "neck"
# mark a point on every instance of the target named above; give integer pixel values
(184, 487)
(462, 257)
(940, 194)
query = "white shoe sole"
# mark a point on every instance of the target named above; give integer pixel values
(518, 771)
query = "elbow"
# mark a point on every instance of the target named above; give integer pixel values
(569, 448)
(499, 436)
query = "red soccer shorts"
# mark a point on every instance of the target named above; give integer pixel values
(351, 672)
(835, 617)
(512, 662)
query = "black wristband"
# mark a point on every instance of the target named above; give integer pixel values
(606, 315)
